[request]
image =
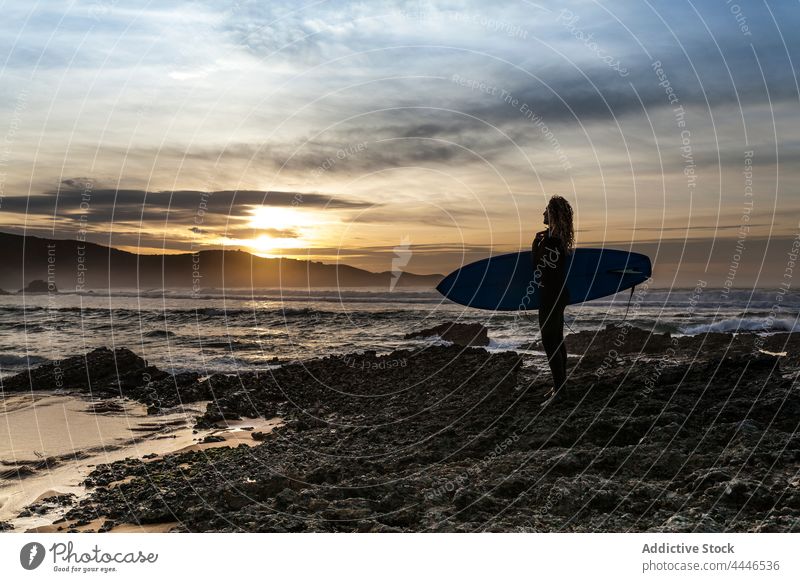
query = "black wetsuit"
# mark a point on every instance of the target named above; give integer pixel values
(549, 265)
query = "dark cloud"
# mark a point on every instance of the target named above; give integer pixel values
(693, 227)
(428, 130)
(565, 95)
(280, 232)
(417, 214)
(78, 196)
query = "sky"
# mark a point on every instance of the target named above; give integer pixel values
(359, 132)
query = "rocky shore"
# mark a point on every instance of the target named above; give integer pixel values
(655, 434)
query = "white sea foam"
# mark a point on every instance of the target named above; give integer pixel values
(744, 324)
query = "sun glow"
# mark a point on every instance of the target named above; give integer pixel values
(277, 228)
(276, 218)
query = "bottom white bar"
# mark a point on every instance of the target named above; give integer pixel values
(378, 557)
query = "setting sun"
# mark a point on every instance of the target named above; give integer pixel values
(276, 228)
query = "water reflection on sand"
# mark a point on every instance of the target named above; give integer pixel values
(50, 442)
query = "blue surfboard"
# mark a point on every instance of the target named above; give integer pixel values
(507, 283)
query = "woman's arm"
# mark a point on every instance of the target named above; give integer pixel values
(535, 246)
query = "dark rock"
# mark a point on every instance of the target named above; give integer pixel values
(39, 286)
(99, 370)
(215, 413)
(117, 372)
(156, 512)
(456, 440)
(285, 498)
(739, 493)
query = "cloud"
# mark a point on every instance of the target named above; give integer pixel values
(263, 96)
(695, 227)
(78, 196)
(280, 232)
(140, 217)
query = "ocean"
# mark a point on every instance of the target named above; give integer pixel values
(239, 330)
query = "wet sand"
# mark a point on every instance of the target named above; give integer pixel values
(95, 524)
(52, 442)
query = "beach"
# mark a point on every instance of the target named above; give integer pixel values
(658, 432)
(78, 433)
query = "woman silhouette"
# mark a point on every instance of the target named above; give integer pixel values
(551, 249)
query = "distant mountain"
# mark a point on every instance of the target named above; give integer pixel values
(71, 265)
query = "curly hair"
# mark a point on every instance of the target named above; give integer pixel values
(561, 220)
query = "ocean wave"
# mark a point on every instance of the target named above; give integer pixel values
(707, 298)
(503, 345)
(276, 294)
(159, 333)
(36, 320)
(743, 324)
(231, 344)
(27, 327)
